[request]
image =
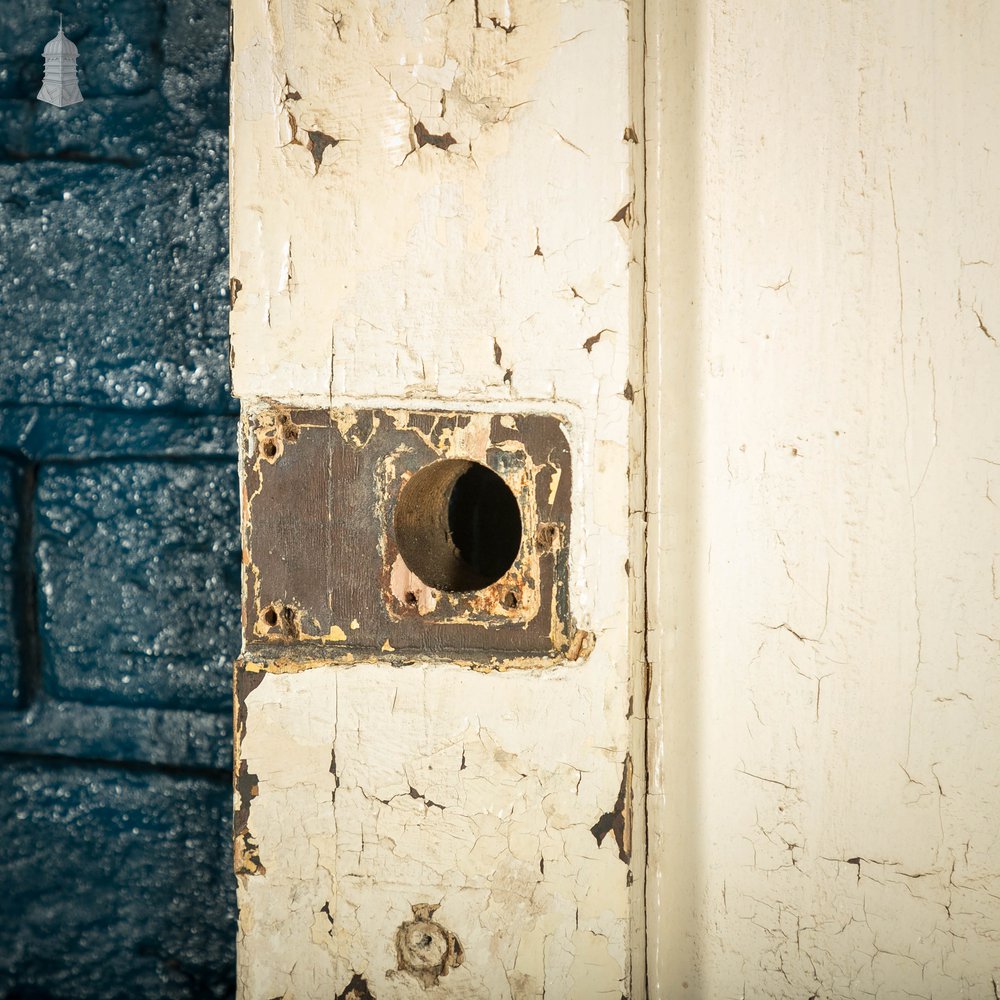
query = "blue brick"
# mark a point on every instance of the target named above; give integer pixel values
(196, 53)
(114, 212)
(139, 574)
(46, 433)
(113, 295)
(116, 884)
(126, 130)
(10, 477)
(120, 46)
(114, 284)
(173, 738)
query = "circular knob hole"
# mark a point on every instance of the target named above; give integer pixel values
(457, 525)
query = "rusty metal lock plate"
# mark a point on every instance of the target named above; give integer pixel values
(324, 578)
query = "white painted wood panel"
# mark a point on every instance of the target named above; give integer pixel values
(434, 204)
(825, 319)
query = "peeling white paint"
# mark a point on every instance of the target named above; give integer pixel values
(424, 204)
(824, 793)
(449, 788)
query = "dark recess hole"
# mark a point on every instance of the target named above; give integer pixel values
(271, 617)
(457, 525)
(270, 449)
(546, 536)
(510, 600)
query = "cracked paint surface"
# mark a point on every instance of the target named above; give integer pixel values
(380, 789)
(433, 207)
(824, 811)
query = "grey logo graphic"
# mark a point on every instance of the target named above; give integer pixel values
(59, 86)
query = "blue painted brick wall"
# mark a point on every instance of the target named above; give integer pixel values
(119, 547)
(9, 667)
(137, 566)
(101, 869)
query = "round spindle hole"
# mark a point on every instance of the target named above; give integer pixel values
(457, 525)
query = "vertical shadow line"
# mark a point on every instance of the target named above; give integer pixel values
(25, 599)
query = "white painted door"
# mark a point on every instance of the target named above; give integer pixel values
(824, 242)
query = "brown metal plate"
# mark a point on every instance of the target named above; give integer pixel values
(323, 576)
